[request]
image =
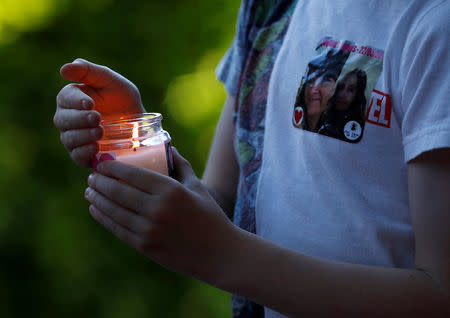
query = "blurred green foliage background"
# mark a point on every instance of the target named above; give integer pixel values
(55, 260)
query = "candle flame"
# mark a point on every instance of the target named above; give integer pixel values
(135, 135)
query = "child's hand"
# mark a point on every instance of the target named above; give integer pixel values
(175, 223)
(79, 107)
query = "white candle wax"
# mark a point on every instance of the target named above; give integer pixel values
(149, 157)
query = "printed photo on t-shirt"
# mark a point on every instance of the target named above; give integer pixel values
(335, 89)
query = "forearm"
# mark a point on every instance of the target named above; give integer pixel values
(221, 173)
(302, 286)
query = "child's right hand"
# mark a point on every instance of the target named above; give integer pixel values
(100, 94)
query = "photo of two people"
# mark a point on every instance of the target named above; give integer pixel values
(333, 94)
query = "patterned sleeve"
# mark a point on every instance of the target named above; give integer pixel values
(425, 84)
(245, 69)
(231, 65)
(254, 16)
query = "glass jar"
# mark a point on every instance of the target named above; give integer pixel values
(138, 140)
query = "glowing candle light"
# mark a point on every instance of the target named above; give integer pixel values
(135, 135)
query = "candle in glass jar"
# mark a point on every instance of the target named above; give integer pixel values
(137, 140)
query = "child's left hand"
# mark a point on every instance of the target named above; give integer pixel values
(175, 223)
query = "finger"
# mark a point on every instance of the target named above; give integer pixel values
(133, 222)
(75, 138)
(83, 155)
(76, 96)
(144, 179)
(99, 102)
(183, 169)
(67, 119)
(94, 75)
(121, 193)
(118, 230)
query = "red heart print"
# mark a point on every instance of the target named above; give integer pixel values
(298, 114)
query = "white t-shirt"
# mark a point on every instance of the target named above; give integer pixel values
(335, 198)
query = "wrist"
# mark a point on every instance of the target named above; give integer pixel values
(220, 267)
(233, 265)
(226, 205)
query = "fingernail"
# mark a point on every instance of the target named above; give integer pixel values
(86, 104)
(93, 118)
(91, 179)
(96, 133)
(78, 60)
(93, 212)
(93, 147)
(87, 193)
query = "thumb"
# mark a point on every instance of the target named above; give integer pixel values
(182, 168)
(94, 75)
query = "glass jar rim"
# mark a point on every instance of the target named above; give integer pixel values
(128, 122)
(138, 117)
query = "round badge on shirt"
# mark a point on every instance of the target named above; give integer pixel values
(352, 131)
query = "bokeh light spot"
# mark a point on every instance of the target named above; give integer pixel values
(194, 98)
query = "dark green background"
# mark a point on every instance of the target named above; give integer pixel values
(55, 260)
